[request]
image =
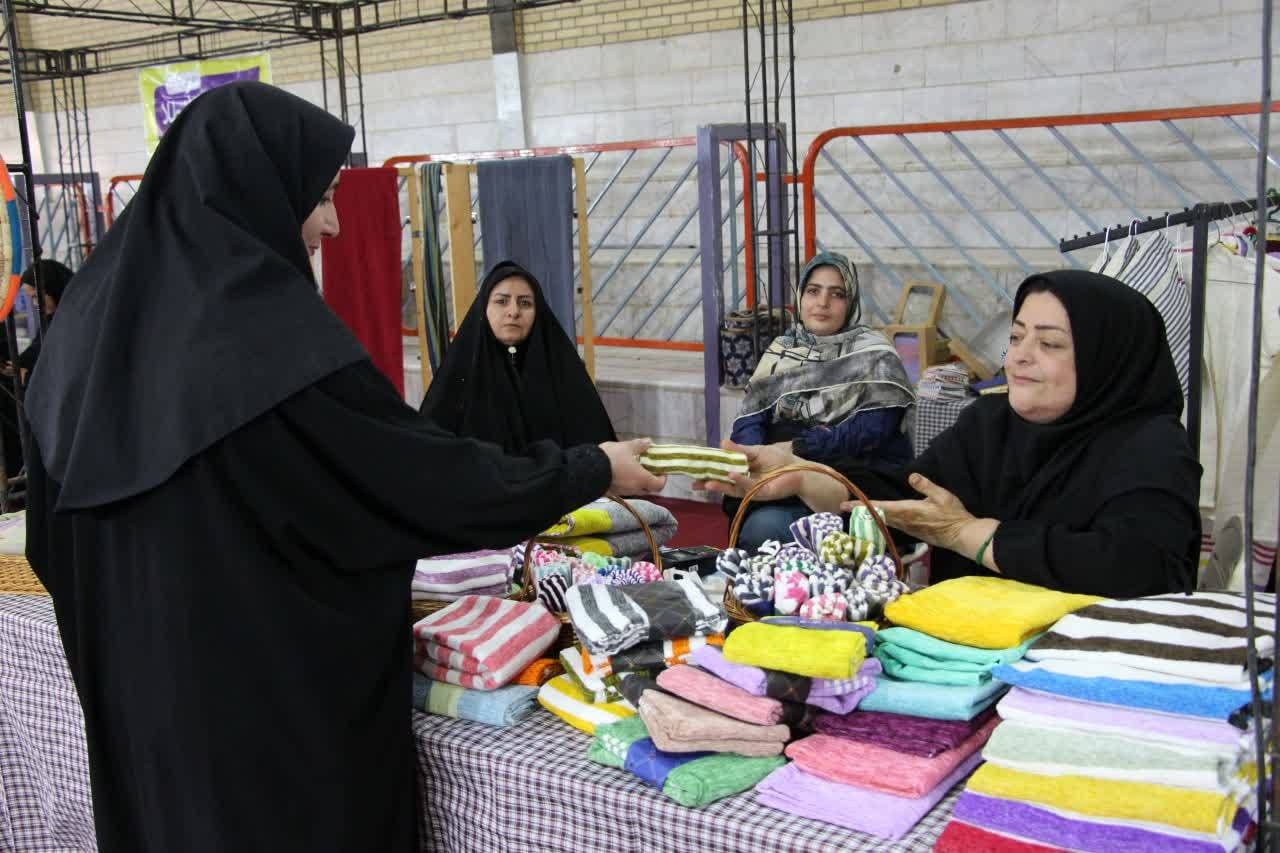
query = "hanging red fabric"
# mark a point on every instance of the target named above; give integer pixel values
(361, 266)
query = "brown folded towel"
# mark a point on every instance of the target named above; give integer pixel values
(679, 726)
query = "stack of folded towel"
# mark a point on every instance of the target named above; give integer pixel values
(450, 577)
(881, 767)
(605, 527)
(629, 633)
(947, 640)
(1128, 728)
(692, 779)
(468, 655)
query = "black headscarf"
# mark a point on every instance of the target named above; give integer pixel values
(1124, 373)
(1120, 436)
(53, 277)
(542, 393)
(198, 311)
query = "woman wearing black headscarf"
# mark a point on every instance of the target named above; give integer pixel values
(1083, 480)
(511, 376)
(228, 499)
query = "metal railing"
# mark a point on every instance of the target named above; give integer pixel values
(988, 201)
(120, 190)
(641, 204)
(66, 207)
(975, 205)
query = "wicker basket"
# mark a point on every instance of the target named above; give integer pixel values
(527, 592)
(738, 613)
(16, 577)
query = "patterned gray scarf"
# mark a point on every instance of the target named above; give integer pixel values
(827, 379)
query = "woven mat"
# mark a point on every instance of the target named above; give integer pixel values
(16, 577)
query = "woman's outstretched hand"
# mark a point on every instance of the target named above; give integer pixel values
(629, 477)
(939, 518)
(761, 459)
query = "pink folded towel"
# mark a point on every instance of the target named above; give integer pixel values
(865, 765)
(703, 688)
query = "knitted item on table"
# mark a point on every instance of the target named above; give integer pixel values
(863, 527)
(794, 564)
(829, 579)
(859, 603)
(790, 590)
(811, 530)
(795, 552)
(827, 606)
(551, 592)
(636, 573)
(600, 561)
(542, 555)
(839, 549)
(755, 593)
(769, 548)
(877, 577)
(698, 463)
(731, 562)
(546, 570)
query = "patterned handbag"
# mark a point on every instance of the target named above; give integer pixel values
(738, 356)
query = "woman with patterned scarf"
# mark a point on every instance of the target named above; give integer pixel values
(832, 388)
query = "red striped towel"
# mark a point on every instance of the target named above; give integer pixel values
(482, 643)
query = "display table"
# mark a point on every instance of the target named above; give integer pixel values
(528, 787)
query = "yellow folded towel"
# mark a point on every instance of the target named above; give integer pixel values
(989, 613)
(801, 651)
(1196, 811)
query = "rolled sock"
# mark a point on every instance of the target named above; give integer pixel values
(790, 590)
(811, 530)
(828, 606)
(755, 593)
(840, 549)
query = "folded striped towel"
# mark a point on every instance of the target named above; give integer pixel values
(609, 619)
(566, 700)
(1202, 636)
(1159, 692)
(454, 575)
(700, 463)
(648, 657)
(482, 643)
(505, 706)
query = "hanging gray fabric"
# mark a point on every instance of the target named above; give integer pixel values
(434, 294)
(526, 216)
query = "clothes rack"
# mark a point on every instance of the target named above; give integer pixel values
(1198, 217)
(1263, 712)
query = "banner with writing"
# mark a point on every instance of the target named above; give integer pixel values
(166, 89)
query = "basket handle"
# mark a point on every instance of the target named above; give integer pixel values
(527, 583)
(741, 514)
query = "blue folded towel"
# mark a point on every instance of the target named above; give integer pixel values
(505, 706)
(653, 765)
(1216, 703)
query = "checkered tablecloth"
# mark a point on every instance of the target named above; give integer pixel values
(524, 788)
(934, 417)
(531, 788)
